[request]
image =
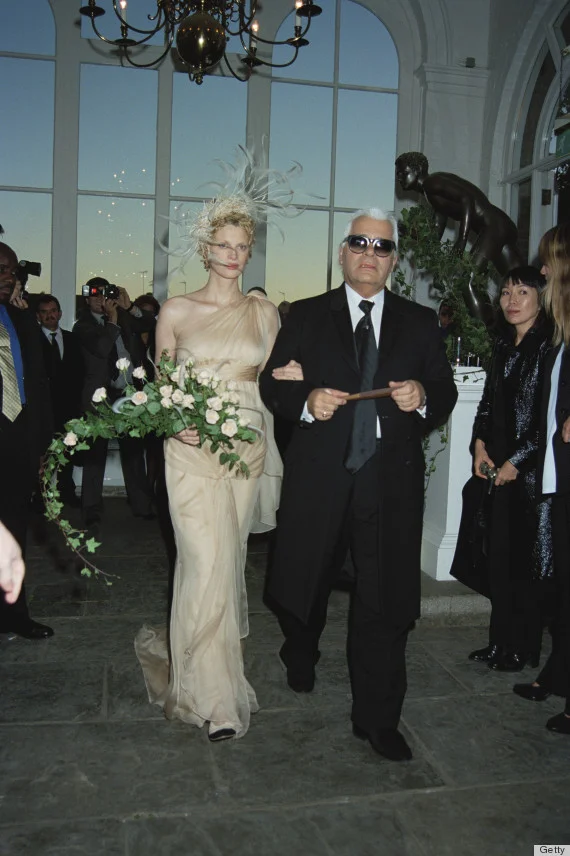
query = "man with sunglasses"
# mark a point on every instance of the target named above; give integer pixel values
(25, 428)
(354, 472)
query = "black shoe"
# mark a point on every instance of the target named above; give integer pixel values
(486, 655)
(531, 692)
(221, 734)
(30, 630)
(513, 661)
(388, 742)
(559, 723)
(300, 677)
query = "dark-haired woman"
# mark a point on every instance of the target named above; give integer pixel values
(514, 529)
(554, 470)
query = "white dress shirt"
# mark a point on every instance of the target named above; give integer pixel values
(549, 473)
(58, 338)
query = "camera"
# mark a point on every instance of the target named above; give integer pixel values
(490, 472)
(26, 269)
(109, 292)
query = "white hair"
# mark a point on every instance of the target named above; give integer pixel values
(375, 214)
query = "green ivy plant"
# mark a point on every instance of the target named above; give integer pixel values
(449, 271)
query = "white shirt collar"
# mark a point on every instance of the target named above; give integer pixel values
(354, 298)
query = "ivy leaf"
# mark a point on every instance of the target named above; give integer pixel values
(92, 545)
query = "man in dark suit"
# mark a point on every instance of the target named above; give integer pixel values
(25, 428)
(354, 472)
(63, 362)
(108, 329)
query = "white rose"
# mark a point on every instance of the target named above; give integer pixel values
(177, 396)
(139, 398)
(139, 373)
(175, 376)
(233, 398)
(99, 395)
(188, 400)
(70, 439)
(123, 364)
(189, 362)
(214, 383)
(229, 428)
(212, 417)
(243, 422)
(231, 411)
(166, 402)
(204, 376)
(231, 385)
(165, 391)
(215, 403)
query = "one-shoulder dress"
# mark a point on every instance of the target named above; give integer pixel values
(196, 672)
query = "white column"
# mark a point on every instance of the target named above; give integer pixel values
(452, 469)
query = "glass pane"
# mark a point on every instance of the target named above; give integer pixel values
(565, 28)
(117, 129)
(27, 26)
(26, 220)
(541, 87)
(137, 13)
(523, 191)
(367, 53)
(26, 153)
(193, 276)
(297, 265)
(115, 239)
(208, 122)
(311, 146)
(315, 61)
(365, 163)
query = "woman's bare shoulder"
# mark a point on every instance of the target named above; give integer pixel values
(179, 305)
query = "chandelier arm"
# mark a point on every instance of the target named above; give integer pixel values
(280, 64)
(149, 33)
(237, 76)
(144, 64)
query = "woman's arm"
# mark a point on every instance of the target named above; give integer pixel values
(271, 317)
(166, 331)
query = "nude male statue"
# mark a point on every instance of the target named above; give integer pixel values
(455, 198)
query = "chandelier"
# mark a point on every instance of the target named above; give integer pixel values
(200, 29)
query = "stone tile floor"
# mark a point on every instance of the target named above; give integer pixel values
(89, 767)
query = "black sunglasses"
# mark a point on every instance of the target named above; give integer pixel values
(359, 244)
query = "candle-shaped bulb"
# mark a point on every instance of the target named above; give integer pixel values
(123, 7)
(298, 4)
(254, 30)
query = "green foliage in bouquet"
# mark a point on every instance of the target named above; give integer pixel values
(449, 271)
(180, 398)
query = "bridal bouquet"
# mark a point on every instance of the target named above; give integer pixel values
(180, 398)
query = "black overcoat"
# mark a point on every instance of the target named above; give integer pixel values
(319, 335)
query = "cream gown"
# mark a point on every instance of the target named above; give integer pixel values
(213, 511)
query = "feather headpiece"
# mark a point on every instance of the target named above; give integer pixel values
(259, 193)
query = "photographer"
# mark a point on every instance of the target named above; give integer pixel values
(109, 328)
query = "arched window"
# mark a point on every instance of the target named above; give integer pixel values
(27, 31)
(335, 112)
(540, 191)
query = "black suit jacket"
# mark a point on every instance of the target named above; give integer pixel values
(26, 450)
(65, 377)
(319, 335)
(99, 349)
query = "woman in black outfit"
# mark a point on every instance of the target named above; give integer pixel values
(554, 470)
(503, 525)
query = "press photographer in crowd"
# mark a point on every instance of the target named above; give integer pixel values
(107, 329)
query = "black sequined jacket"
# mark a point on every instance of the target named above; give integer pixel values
(508, 422)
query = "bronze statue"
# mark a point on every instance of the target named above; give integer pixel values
(455, 198)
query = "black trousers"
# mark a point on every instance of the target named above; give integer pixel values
(134, 473)
(375, 647)
(555, 677)
(16, 486)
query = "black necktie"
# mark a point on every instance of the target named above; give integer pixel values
(362, 444)
(55, 346)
